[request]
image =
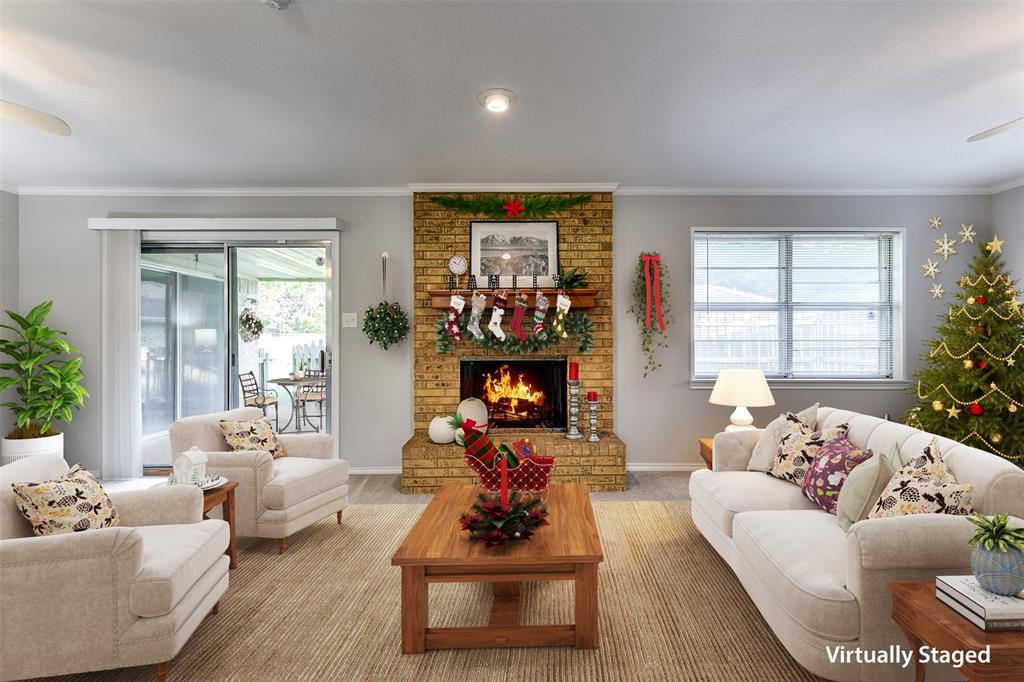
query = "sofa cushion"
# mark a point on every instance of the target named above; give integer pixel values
(800, 558)
(799, 448)
(721, 495)
(173, 559)
(863, 487)
(764, 452)
(298, 478)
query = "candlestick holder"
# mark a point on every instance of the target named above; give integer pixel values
(573, 432)
(593, 437)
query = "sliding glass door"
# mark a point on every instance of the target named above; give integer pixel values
(220, 314)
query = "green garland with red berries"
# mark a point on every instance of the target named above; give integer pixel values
(512, 206)
(495, 524)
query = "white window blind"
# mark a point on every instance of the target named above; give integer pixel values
(796, 305)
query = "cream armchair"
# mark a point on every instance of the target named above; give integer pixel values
(275, 497)
(110, 598)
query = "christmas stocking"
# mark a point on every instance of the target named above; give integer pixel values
(540, 310)
(517, 317)
(455, 306)
(561, 310)
(500, 301)
(479, 301)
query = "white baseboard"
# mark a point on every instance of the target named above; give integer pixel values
(664, 466)
(362, 471)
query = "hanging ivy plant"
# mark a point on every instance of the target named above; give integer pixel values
(386, 324)
(511, 206)
(650, 306)
(577, 324)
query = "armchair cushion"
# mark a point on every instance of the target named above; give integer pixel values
(298, 478)
(315, 445)
(256, 434)
(70, 503)
(174, 558)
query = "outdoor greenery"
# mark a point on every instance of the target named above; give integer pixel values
(44, 371)
(289, 307)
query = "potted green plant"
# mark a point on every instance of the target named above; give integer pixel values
(45, 373)
(997, 559)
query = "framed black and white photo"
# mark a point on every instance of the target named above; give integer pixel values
(520, 248)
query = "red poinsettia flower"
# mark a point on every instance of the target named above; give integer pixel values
(495, 509)
(538, 517)
(494, 537)
(470, 520)
(513, 207)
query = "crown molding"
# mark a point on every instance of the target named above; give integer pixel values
(513, 187)
(214, 191)
(1008, 185)
(656, 191)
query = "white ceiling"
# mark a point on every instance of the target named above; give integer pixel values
(338, 94)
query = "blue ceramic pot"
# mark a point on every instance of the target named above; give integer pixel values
(999, 572)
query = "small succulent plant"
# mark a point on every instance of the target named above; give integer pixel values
(994, 532)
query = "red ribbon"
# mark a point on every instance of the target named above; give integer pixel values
(648, 260)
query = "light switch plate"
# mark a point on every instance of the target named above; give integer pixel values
(348, 320)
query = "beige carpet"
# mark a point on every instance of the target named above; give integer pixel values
(329, 609)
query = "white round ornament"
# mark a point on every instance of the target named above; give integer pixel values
(475, 409)
(440, 431)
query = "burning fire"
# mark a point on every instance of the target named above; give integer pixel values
(499, 386)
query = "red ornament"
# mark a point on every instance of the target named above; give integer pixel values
(980, 330)
(975, 409)
(980, 300)
(983, 364)
(513, 207)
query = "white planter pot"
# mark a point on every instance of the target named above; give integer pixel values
(12, 449)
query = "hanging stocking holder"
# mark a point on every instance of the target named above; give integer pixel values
(652, 289)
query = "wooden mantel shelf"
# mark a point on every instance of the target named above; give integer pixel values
(581, 298)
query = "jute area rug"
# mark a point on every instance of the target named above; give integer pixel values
(328, 609)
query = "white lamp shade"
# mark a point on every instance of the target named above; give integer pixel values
(746, 387)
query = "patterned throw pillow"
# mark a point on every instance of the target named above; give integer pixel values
(924, 486)
(69, 504)
(827, 473)
(251, 435)
(799, 448)
(767, 447)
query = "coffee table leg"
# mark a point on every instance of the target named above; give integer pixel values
(505, 604)
(229, 516)
(414, 610)
(586, 606)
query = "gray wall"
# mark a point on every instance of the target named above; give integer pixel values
(1008, 223)
(8, 275)
(660, 417)
(59, 259)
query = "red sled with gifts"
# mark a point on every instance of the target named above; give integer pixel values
(531, 475)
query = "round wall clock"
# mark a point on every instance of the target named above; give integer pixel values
(458, 265)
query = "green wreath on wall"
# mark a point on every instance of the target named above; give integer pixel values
(577, 324)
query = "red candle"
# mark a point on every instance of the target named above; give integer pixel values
(591, 396)
(504, 480)
(574, 371)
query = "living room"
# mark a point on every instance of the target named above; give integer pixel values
(417, 250)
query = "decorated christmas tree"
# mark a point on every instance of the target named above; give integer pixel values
(972, 386)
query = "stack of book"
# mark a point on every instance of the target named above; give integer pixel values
(987, 610)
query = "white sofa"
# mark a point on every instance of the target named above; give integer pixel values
(109, 598)
(275, 498)
(818, 586)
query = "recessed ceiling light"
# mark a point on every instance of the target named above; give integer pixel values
(496, 100)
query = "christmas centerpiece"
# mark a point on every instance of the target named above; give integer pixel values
(972, 386)
(501, 468)
(496, 521)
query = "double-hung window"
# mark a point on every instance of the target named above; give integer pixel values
(797, 305)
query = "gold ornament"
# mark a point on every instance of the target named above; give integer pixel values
(970, 300)
(968, 364)
(994, 246)
(990, 290)
(954, 412)
(1011, 408)
(997, 438)
(937, 405)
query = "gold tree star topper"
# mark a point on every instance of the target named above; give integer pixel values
(994, 246)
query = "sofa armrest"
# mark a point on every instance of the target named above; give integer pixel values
(252, 469)
(71, 589)
(312, 445)
(732, 449)
(217, 462)
(162, 505)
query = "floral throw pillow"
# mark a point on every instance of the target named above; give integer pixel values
(907, 495)
(72, 503)
(928, 464)
(828, 472)
(799, 448)
(251, 435)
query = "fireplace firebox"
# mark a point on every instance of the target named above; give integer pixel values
(521, 393)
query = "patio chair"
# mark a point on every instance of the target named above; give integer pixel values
(254, 396)
(314, 393)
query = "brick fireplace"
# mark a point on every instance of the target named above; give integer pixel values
(585, 241)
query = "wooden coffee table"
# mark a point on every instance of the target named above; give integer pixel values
(225, 497)
(926, 620)
(437, 551)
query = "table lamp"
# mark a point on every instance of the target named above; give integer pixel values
(741, 388)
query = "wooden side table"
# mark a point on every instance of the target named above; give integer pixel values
(224, 496)
(706, 449)
(927, 621)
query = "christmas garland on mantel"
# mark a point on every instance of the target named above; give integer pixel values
(511, 206)
(577, 324)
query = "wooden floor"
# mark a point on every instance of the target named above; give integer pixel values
(657, 486)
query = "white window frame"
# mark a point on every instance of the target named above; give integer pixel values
(899, 258)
